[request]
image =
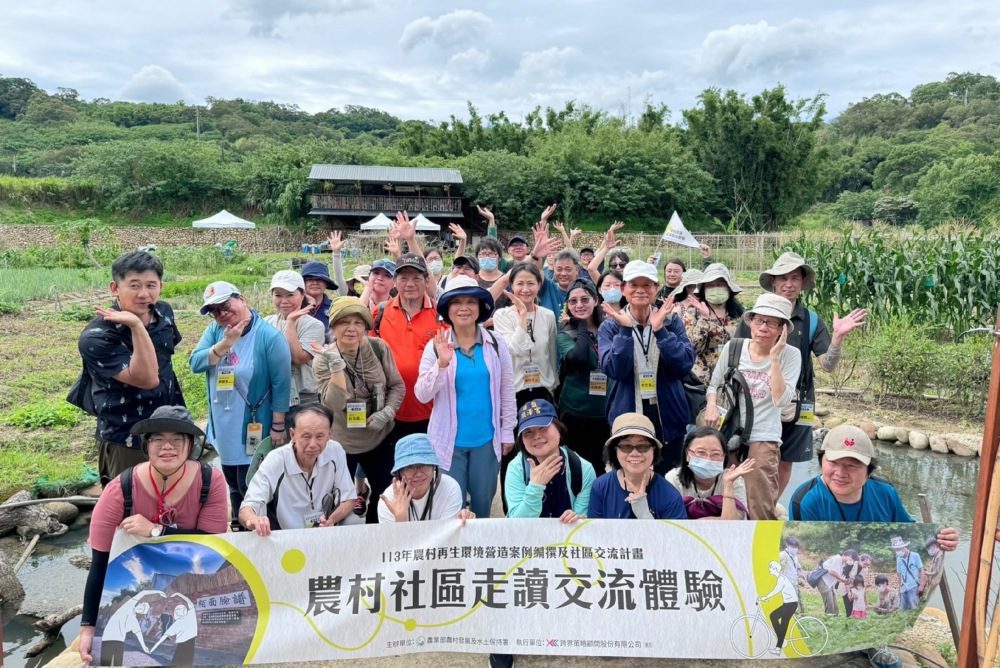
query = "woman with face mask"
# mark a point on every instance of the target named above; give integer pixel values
(609, 286)
(710, 327)
(710, 490)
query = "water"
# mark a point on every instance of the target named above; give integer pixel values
(53, 584)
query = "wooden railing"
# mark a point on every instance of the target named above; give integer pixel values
(387, 203)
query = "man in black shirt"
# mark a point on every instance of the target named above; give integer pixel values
(126, 350)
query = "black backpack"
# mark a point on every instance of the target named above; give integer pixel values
(126, 482)
(575, 471)
(734, 393)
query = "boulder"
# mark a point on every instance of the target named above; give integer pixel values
(832, 422)
(919, 440)
(63, 511)
(869, 428)
(887, 434)
(821, 411)
(903, 435)
(963, 445)
(939, 444)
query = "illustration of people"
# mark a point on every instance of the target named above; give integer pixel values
(125, 620)
(859, 604)
(934, 569)
(184, 631)
(781, 617)
(910, 568)
(790, 565)
(888, 599)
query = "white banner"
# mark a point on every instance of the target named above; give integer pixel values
(678, 234)
(628, 588)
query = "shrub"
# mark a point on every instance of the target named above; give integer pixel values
(901, 359)
(54, 413)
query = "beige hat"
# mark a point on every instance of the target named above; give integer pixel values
(361, 272)
(288, 280)
(632, 423)
(689, 277)
(771, 305)
(717, 270)
(341, 307)
(846, 440)
(787, 263)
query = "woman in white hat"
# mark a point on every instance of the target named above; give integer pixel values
(295, 321)
(710, 325)
(770, 368)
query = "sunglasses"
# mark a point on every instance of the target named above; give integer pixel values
(618, 265)
(218, 309)
(629, 449)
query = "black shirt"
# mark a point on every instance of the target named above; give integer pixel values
(106, 349)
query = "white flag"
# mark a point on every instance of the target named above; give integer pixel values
(678, 234)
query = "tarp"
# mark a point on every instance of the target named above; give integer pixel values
(223, 221)
(425, 225)
(379, 222)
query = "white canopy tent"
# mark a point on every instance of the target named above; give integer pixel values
(425, 224)
(379, 222)
(223, 221)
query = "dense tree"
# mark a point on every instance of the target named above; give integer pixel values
(14, 95)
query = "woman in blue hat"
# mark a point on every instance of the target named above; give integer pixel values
(419, 491)
(317, 281)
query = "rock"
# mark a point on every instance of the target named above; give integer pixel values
(963, 445)
(63, 511)
(887, 434)
(93, 490)
(919, 440)
(821, 411)
(832, 422)
(81, 561)
(939, 444)
(903, 435)
(11, 591)
(869, 428)
(29, 520)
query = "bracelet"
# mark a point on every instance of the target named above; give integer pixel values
(726, 496)
(280, 427)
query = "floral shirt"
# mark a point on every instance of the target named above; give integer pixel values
(707, 336)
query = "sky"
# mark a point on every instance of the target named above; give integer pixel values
(420, 59)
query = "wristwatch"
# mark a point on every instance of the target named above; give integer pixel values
(156, 531)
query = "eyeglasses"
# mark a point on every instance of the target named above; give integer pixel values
(768, 324)
(158, 442)
(218, 309)
(617, 265)
(415, 469)
(628, 449)
(714, 455)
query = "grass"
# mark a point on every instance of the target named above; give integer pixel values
(848, 634)
(21, 285)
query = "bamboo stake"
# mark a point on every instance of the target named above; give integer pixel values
(26, 553)
(971, 651)
(949, 605)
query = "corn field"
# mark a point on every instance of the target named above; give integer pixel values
(948, 280)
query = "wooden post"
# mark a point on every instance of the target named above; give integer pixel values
(972, 648)
(949, 605)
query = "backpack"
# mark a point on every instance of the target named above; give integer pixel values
(126, 482)
(734, 394)
(377, 327)
(805, 378)
(81, 394)
(816, 575)
(575, 471)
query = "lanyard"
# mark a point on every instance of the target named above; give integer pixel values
(644, 340)
(161, 496)
(430, 503)
(840, 508)
(309, 488)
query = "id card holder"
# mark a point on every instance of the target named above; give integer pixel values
(532, 375)
(357, 415)
(598, 384)
(647, 384)
(807, 414)
(225, 379)
(311, 520)
(255, 434)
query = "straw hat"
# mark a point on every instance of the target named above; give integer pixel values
(786, 264)
(632, 423)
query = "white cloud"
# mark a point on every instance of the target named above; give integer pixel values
(747, 50)
(153, 83)
(265, 15)
(544, 65)
(134, 566)
(472, 59)
(458, 27)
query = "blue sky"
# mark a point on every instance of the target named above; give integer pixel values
(424, 59)
(143, 561)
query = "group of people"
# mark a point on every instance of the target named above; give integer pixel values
(409, 393)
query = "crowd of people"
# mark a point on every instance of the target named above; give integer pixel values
(582, 382)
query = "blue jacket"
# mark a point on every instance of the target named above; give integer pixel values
(616, 347)
(272, 371)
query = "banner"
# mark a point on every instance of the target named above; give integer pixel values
(678, 234)
(629, 588)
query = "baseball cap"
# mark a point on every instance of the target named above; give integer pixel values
(535, 413)
(218, 292)
(469, 260)
(388, 266)
(846, 440)
(516, 239)
(412, 261)
(639, 269)
(288, 280)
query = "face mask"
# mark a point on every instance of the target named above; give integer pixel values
(932, 551)
(705, 468)
(792, 550)
(435, 266)
(612, 295)
(716, 296)
(487, 263)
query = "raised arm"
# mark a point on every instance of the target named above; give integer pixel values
(607, 243)
(407, 231)
(491, 221)
(337, 261)
(463, 238)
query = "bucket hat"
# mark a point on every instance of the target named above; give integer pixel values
(341, 307)
(846, 440)
(465, 286)
(771, 305)
(632, 423)
(897, 543)
(786, 263)
(689, 277)
(319, 271)
(717, 270)
(217, 293)
(361, 272)
(171, 419)
(412, 450)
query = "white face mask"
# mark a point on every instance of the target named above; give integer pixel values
(435, 266)
(716, 296)
(705, 468)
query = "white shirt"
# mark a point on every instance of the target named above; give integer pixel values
(789, 594)
(308, 330)
(299, 496)
(539, 347)
(447, 502)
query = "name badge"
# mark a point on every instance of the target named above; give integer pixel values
(311, 520)
(647, 384)
(807, 414)
(598, 384)
(357, 415)
(532, 375)
(255, 434)
(225, 379)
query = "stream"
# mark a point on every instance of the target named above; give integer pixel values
(53, 584)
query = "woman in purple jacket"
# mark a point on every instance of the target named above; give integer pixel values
(467, 373)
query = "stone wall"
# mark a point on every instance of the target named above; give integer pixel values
(263, 239)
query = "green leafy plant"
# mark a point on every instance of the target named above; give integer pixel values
(55, 413)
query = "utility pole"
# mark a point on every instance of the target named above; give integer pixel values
(197, 121)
